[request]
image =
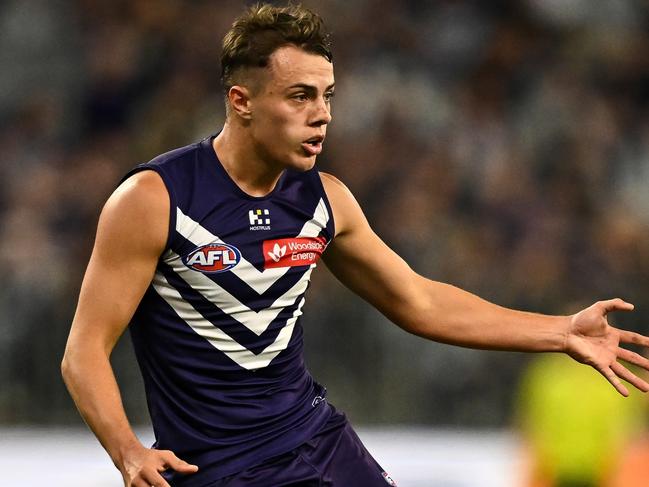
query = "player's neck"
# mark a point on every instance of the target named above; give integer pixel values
(252, 174)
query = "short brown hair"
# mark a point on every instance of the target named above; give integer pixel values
(264, 28)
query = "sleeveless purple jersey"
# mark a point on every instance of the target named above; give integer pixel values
(217, 334)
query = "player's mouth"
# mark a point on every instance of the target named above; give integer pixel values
(313, 146)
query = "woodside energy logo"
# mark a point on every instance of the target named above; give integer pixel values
(292, 252)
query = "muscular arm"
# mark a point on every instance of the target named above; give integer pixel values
(445, 313)
(131, 235)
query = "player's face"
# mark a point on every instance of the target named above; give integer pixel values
(292, 107)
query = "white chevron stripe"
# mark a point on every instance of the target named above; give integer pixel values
(313, 227)
(220, 340)
(258, 280)
(257, 322)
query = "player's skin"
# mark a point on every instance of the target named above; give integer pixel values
(271, 117)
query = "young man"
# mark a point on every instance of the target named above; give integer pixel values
(207, 252)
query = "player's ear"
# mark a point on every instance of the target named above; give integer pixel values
(239, 98)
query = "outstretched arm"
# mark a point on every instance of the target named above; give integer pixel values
(445, 313)
(131, 235)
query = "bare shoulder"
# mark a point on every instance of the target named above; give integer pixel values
(332, 184)
(144, 188)
(137, 212)
(347, 212)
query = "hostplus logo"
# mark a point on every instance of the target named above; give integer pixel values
(259, 219)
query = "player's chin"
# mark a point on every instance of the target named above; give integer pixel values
(303, 162)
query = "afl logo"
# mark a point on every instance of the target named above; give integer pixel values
(214, 257)
(388, 479)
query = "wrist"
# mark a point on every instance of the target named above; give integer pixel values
(565, 327)
(125, 451)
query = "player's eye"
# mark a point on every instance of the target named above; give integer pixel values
(300, 97)
(328, 96)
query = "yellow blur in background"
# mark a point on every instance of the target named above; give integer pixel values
(577, 430)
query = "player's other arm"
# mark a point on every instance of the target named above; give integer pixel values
(131, 235)
(445, 313)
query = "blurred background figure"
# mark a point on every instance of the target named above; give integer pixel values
(521, 173)
(575, 431)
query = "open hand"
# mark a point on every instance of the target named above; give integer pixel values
(143, 466)
(592, 341)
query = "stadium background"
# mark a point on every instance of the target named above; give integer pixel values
(500, 146)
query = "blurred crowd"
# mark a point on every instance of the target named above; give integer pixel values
(501, 146)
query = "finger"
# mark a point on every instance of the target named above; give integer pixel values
(154, 479)
(624, 373)
(616, 304)
(148, 481)
(175, 463)
(632, 337)
(633, 358)
(615, 382)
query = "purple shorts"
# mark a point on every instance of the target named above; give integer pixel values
(335, 457)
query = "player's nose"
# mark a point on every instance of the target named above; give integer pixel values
(322, 113)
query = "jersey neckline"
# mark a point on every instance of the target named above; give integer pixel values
(214, 161)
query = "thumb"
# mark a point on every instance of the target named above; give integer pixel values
(616, 304)
(175, 463)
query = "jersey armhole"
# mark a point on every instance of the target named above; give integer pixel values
(325, 198)
(170, 193)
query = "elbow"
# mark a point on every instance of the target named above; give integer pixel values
(70, 364)
(66, 367)
(421, 319)
(417, 328)
(415, 311)
(78, 361)
(414, 320)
